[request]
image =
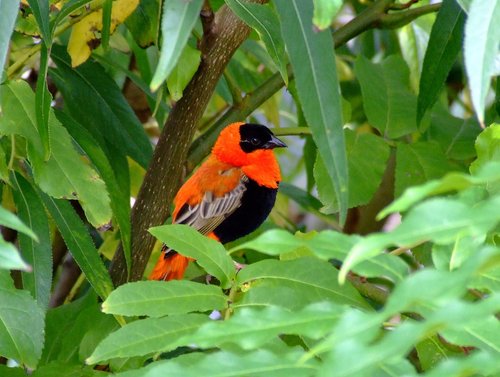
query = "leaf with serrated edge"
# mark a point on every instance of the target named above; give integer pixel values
(64, 174)
(208, 253)
(159, 298)
(261, 363)
(147, 336)
(21, 327)
(38, 254)
(312, 274)
(251, 328)
(78, 240)
(421, 224)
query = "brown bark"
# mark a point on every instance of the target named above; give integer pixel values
(219, 42)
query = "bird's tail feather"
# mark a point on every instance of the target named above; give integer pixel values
(170, 267)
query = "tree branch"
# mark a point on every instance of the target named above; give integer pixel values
(224, 36)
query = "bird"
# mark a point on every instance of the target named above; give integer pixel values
(229, 195)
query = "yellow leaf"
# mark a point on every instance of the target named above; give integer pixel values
(85, 35)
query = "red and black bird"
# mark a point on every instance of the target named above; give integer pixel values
(229, 195)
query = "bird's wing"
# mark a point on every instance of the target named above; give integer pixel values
(211, 211)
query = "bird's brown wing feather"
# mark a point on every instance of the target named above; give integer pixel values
(211, 211)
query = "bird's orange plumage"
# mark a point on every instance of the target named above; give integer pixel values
(220, 174)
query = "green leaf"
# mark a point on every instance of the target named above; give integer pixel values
(261, 363)
(465, 4)
(38, 254)
(265, 21)
(477, 363)
(422, 224)
(178, 20)
(144, 22)
(444, 45)
(147, 336)
(418, 163)
(488, 175)
(40, 9)
(395, 344)
(455, 136)
(389, 105)
(208, 253)
(65, 327)
(8, 14)
(413, 41)
(43, 100)
(159, 298)
(325, 245)
(11, 372)
(324, 12)
(90, 93)
(67, 9)
(312, 58)
(21, 327)
(114, 172)
(367, 156)
(10, 258)
(487, 147)
(308, 202)
(9, 220)
(251, 328)
(482, 38)
(65, 174)
(80, 244)
(306, 277)
(431, 352)
(62, 369)
(181, 74)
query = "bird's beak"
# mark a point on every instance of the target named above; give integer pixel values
(274, 143)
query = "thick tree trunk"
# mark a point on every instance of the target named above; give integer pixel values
(222, 36)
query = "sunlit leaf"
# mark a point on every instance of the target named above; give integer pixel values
(8, 14)
(482, 38)
(306, 276)
(147, 336)
(324, 12)
(261, 363)
(183, 72)
(177, 22)
(159, 298)
(208, 253)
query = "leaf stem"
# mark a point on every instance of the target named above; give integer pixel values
(232, 294)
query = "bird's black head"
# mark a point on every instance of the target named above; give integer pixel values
(257, 136)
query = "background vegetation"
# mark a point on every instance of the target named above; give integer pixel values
(381, 256)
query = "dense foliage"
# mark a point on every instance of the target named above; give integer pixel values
(381, 256)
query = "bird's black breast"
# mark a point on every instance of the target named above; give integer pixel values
(256, 204)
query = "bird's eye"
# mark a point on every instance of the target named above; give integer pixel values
(254, 141)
